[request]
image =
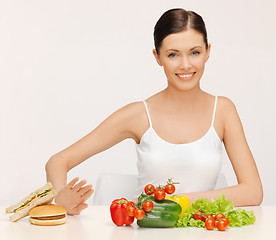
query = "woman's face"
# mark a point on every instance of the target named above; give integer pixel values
(183, 56)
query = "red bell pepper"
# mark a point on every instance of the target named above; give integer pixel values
(118, 212)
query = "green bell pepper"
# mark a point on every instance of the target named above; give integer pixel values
(164, 214)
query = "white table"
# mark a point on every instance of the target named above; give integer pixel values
(95, 223)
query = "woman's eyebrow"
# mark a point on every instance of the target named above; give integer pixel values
(195, 47)
(175, 50)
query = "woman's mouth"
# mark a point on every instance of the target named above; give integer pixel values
(185, 76)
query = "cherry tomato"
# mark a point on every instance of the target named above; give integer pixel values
(130, 203)
(221, 225)
(159, 194)
(149, 189)
(169, 188)
(210, 224)
(199, 215)
(147, 205)
(226, 220)
(139, 214)
(209, 216)
(130, 210)
(218, 216)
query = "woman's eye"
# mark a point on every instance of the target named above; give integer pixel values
(194, 53)
(172, 55)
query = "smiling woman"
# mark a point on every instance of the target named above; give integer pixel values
(181, 46)
(179, 132)
(183, 56)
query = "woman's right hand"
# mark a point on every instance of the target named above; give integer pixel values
(73, 196)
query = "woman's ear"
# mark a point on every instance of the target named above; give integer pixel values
(208, 52)
(157, 57)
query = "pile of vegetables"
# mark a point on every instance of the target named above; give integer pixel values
(165, 213)
(202, 207)
(152, 210)
(155, 209)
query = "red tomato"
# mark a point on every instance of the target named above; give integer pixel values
(226, 220)
(139, 214)
(170, 188)
(209, 216)
(130, 210)
(199, 215)
(159, 194)
(210, 224)
(149, 189)
(218, 216)
(147, 205)
(221, 225)
(130, 203)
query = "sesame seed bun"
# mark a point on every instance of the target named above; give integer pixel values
(48, 215)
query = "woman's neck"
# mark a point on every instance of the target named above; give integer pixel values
(183, 100)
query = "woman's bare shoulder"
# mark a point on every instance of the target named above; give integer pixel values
(226, 105)
(136, 119)
(133, 108)
(227, 112)
(138, 108)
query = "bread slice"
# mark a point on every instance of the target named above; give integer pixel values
(47, 186)
(41, 196)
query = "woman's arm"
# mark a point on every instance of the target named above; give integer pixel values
(117, 127)
(249, 190)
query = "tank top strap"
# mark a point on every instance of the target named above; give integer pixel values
(147, 110)
(214, 111)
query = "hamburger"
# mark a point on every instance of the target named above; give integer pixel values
(43, 195)
(48, 215)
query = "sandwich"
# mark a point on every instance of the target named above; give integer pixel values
(41, 196)
(48, 215)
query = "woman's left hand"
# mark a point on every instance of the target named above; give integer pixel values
(73, 196)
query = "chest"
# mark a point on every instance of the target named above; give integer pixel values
(182, 127)
(159, 160)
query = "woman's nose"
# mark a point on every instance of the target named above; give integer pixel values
(185, 63)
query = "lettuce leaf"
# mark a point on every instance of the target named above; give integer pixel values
(240, 217)
(184, 219)
(196, 223)
(203, 205)
(237, 218)
(221, 205)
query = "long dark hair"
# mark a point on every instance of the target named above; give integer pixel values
(178, 20)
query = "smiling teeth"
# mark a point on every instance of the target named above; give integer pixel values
(185, 76)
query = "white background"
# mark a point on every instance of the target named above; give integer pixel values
(67, 65)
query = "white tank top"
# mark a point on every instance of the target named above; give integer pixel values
(194, 165)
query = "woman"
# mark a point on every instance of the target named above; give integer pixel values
(178, 132)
